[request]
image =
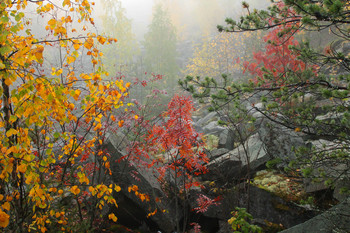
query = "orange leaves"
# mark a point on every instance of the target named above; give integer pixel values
(112, 217)
(152, 213)
(101, 39)
(113, 118)
(76, 94)
(6, 205)
(133, 188)
(42, 103)
(75, 190)
(142, 196)
(11, 132)
(4, 219)
(83, 178)
(22, 168)
(76, 44)
(39, 53)
(52, 23)
(89, 43)
(120, 123)
(66, 3)
(117, 188)
(70, 59)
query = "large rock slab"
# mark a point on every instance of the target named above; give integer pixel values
(336, 219)
(240, 161)
(132, 211)
(279, 141)
(260, 203)
(226, 139)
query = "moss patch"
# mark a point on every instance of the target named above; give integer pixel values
(281, 185)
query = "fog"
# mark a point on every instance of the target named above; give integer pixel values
(189, 16)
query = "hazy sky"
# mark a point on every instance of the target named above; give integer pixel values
(189, 14)
(140, 11)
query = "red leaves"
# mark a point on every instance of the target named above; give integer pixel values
(278, 57)
(176, 143)
(205, 202)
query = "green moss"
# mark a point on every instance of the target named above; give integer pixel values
(279, 184)
(212, 142)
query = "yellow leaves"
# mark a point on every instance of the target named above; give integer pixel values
(76, 94)
(22, 168)
(8, 81)
(31, 178)
(121, 123)
(11, 132)
(38, 53)
(76, 44)
(97, 77)
(89, 43)
(136, 117)
(9, 198)
(2, 66)
(70, 59)
(39, 87)
(1, 197)
(133, 188)
(92, 190)
(297, 129)
(66, 3)
(53, 190)
(98, 126)
(71, 106)
(117, 188)
(6, 206)
(101, 39)
(4, 219)
(52, 23)
(82, 178)
(75, 190)
(152, 213)
(112, 217)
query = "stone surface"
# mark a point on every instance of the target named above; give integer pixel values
(131, 209)
(336, 219)
(279, 141)
(212, 128)
(339, 185)
(211, 116)
(260, 203)
(243, 158)
(213, 154)
(226, 139)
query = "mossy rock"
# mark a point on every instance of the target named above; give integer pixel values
(283, 186)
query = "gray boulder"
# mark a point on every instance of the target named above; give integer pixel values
(260, 203)
(212, 128)
(132, 211)
(336, 219)
(238, 162)
(279, 141)
(226, 139)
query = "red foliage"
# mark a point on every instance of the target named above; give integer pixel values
(278, 58)
(174, 144)
(205, 202)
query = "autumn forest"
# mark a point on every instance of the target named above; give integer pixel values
(174, 116)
